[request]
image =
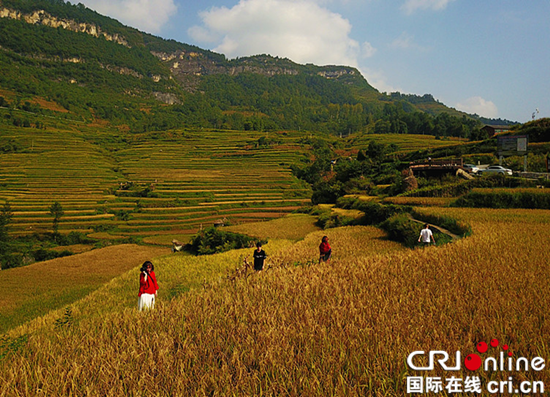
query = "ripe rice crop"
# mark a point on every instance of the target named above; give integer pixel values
(92, 174)
(419, 201)
(34, 290)
(407, 142)
(302, 328)
(292, 227)
(505, 198)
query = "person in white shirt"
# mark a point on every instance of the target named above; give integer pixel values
(426, 235)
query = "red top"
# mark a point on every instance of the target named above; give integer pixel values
(324, 248)
(148, 285)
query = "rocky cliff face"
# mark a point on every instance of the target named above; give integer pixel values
(337, 74)
(43, 18)
(188, 66)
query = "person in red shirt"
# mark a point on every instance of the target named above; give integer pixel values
(148, 286)
(324, 250)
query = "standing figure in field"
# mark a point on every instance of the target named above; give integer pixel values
(259, 257)
(426, 235)
(324, 250)
(148, 286)
(177, 246)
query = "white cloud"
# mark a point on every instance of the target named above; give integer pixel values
(412, 5)
(368, 50)
(301, 30)
(203, 35)
(145, 15)
(378, 80)
(479, 106)
(405, 41)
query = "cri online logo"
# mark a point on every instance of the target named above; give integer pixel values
(473, 361)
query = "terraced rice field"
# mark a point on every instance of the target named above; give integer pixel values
(152, 184)
(405, 142)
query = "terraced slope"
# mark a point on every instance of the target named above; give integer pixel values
(158, 183)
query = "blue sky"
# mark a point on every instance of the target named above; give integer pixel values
(489, 57)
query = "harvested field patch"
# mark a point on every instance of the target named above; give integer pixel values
(49, 105)
(75, 248)
(420, 201)
(36, 289)
(292, 227)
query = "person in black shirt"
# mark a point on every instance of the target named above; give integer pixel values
(259, 257)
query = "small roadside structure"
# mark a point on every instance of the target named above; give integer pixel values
(435, 168)
(493, 130)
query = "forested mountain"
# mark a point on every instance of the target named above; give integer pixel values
(93, 67)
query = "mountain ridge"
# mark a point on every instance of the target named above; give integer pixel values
(186, 61)
(93, 64)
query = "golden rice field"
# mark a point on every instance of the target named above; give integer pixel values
(34, 290)
(194, 177)
(178, 180)
(420, 201)
(405, 142)
(291, 227)
(300, 328)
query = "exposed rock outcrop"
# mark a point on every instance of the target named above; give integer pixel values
(43, 18)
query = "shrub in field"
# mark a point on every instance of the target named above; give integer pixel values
(401, 228)
(137, 192)
(375, 213)
(453, 225)
(324, 192)
(213, 240)
(310, 209)
(45, 255)
(74, 238)
(123, 215)
(397, 221)
(11, 260)
(455, 189)
(103, 228)
(329, 220)
(325, 218)
(531, 199)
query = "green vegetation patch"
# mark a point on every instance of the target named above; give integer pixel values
(501, 198)
(213, 240)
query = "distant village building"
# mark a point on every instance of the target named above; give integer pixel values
(495, 129)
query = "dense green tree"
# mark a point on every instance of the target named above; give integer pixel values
(56, 210)
(376, 151)
(6, 257)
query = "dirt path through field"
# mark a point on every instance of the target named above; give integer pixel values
(438, 228)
